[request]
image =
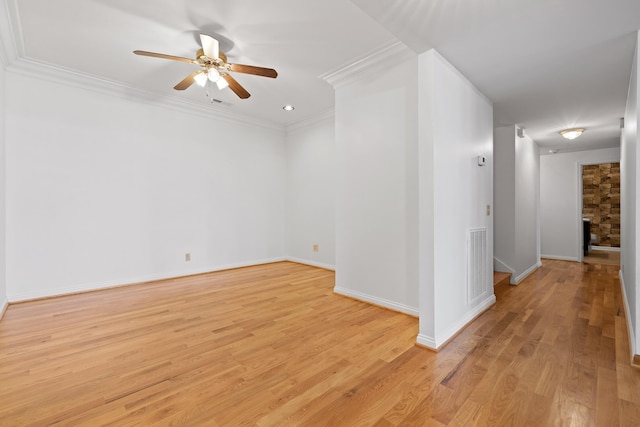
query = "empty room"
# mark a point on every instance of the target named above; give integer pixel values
(338, 213)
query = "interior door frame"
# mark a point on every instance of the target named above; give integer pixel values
(579, 207)
(579, 203)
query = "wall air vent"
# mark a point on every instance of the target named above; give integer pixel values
(478, 274)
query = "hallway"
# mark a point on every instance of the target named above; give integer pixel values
(574, 354)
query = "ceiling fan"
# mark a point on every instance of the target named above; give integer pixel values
(214, 68)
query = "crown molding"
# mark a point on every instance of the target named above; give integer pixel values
(8, 49)
(56, 74)
(363, 67)
(311, 121)
(3, 56)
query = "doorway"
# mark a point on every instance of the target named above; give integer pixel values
(600, 212)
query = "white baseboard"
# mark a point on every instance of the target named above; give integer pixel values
(605, 248)
(630, 327)
(3, 307)
(312, 263)
(499, 265)
(391, 305)
(526, 273)
(435, 343)
(427, 341)
(559, 258)
(87, 287)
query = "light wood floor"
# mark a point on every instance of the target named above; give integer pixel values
(272, 345)
(597, 256)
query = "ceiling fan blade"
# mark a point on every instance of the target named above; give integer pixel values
(235, 86)
(163, 56)
(188, 81)
(250, 69)
(210, 46)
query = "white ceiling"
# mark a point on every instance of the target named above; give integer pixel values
(546, 64)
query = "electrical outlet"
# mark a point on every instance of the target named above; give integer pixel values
(187, 256)
(315, 247)
(488, 210)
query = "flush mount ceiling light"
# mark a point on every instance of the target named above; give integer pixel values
(288, 107)
(572, 133)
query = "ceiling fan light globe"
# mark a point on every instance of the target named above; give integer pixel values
(201, 79)
(213, 74)
(222, 83)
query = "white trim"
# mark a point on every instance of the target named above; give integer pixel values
(3, 58)
(559, 257)
(441, 339)
(87, 287)
(605, 248)
(312, 121)
(4, 61)
(525, 274)
(14, 28)
(61, 75)
(3, 308)
(8, 48)
(579, 215)
(427, 341)
(391, 305)
(499, 265)
(384, 56)
(312, 263)
(630, 328)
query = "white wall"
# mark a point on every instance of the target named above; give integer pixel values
(3, 283)
(504, 185)
(560, 200)
(456, 126)
(516, 189)
(527, 209)
(376, 186)
(103, 190)
(310, 192)
(630, 210)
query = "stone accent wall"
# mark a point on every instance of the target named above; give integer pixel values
(601, 202)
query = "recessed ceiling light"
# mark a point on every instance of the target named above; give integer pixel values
(572, 133)
(288, 107)
(553, 151)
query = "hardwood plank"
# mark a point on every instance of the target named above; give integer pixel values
(607, 401)
(537, 411)
(272, 345)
